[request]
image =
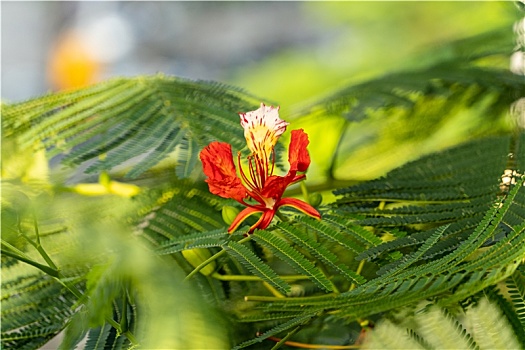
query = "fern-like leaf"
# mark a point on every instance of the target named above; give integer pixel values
(485, 319)
(296, 321)
(128, 117)
(408, 260)
(321, 252)
(291, 256)
(333, 233)
(34, 314)
(185, 209)
(516, 287)
(256, 266)
(97, 337)
(212, 238)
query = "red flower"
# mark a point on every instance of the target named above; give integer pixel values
(262, 128)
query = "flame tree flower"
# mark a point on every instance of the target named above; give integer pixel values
(258, 185)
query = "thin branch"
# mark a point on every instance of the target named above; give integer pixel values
(44, 268)
(213, 258)
(283, 341)
(313, 346)
(221, 277)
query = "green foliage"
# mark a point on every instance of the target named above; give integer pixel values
(453, 93)
(179, 213)
(122, 119)
(293, 257)
(256, 266)
(452, 274)
(319, 251)
(482, 326)
(107, 266)
(515, 312)
(34, 308)
(297, 321)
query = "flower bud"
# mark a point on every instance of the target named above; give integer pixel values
(197, 256)
(229, 214)
(315, 199)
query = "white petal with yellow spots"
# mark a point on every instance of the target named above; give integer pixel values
(262, 129)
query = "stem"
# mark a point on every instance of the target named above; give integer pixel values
(46, 269)
(124, 316)
(212, 258)
(220, 277)
(131, 338)
(306, 197)
(35, 224)
(46, 257)
(260, 298)
(304, 190)
(204, 263)
(315, 346)
(39, 247)
(15, 249)
(284, 340)
(359, 269)
(274, 291)
(266, 298)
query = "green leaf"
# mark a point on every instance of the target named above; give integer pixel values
(319, 251)
(256, 266)
(291, 256)
(276, 330)
(116, 121)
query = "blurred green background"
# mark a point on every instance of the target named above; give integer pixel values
(287, 52)
(366, 39)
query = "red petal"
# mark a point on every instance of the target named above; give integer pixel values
(217, 161)
(275, 185)
(241, 217)
(217, 164)
(264, 221)
(298, 156)
(300, 205)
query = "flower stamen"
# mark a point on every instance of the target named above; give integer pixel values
(245, 178)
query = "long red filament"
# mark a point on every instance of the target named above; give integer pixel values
(243, 175)
(259, 170)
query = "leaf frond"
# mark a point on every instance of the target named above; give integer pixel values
(291, 256)
(117, 121)
(255, 265)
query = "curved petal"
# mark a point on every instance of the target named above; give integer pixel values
(298, 156)
(264, 221)
(301, 206)
(241, 217)
(217, 164)
(217, 161)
